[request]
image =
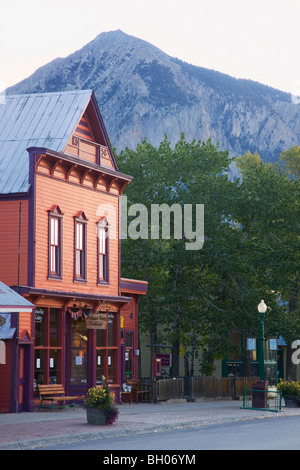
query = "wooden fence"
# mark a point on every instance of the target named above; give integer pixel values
(170, 389)
(206, 387)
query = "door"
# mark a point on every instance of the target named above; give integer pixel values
(78, 355)
(24, 383)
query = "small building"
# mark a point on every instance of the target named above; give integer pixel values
(15, 344)
(60, 192)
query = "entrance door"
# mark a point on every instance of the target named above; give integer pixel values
(78, 357)
(23, 389)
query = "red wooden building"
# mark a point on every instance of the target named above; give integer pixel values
(60, 191)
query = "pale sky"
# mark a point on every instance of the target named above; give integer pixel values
(254, 39)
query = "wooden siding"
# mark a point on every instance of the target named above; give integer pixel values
(83, 129)
(25, 324)
(5, 380)
(83, 144)
(72, 200)
(129, 313)
(105, 157)
(9, 242)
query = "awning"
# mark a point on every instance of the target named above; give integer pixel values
(74, 296)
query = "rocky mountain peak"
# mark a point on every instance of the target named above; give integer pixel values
(143, 92)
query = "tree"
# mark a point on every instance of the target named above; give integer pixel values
(181, 282)
(250, 252)
(270, 221)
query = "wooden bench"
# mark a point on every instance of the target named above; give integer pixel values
(128, 396)
(138, 388)
(55, 393)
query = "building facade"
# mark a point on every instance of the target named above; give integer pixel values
(60, 191)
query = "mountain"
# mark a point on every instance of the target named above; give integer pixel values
(143, 92)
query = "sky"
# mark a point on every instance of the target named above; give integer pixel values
(257, 39)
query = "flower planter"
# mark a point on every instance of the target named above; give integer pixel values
(291, 402)
(100, 408)
(96, 416)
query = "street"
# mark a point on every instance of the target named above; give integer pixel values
(282, 433)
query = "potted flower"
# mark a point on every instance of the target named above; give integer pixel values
(100, 408)
(290, 392)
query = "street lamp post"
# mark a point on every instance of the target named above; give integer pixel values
(262, 307)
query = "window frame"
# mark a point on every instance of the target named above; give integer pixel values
(55, 214)
(108, 349)
(48, 351)
(82, 220)
(103, 225)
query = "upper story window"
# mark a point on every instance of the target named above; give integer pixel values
(103, 274)
(55, 243)
(80, 248)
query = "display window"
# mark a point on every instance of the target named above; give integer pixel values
(48, 345)
(107, 352)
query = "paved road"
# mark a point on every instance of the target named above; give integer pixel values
(265, 434)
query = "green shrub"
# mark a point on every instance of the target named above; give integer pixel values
(289, 389)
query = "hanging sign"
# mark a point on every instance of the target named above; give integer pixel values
(273, 344)
(165, 359)
(97, 321)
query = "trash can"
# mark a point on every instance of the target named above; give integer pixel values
(260, 395)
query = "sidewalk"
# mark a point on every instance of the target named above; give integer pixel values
(45, 428)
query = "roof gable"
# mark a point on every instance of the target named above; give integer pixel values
(41, 120)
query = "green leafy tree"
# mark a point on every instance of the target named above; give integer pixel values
(250, 252)
(183, 284)
(269, 214)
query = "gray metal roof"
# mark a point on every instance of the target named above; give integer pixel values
(6, 331)
(36, 120)
(10, 299)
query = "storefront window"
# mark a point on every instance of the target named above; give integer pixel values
(40, 327)
(54, 362)
(39, 366)
(100, 370)
(112, 365)
(54, 326)
(78, 352)
(111, 334)
(48, 345)
(106, 352)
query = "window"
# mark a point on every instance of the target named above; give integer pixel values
(103, 251)
(129, 354)
(78, 352)
(55, 239)
(75, 141)
(2, 352)
(107, 351)
(48, 345)
(80, 248)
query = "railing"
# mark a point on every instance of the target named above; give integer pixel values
(267, 400)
